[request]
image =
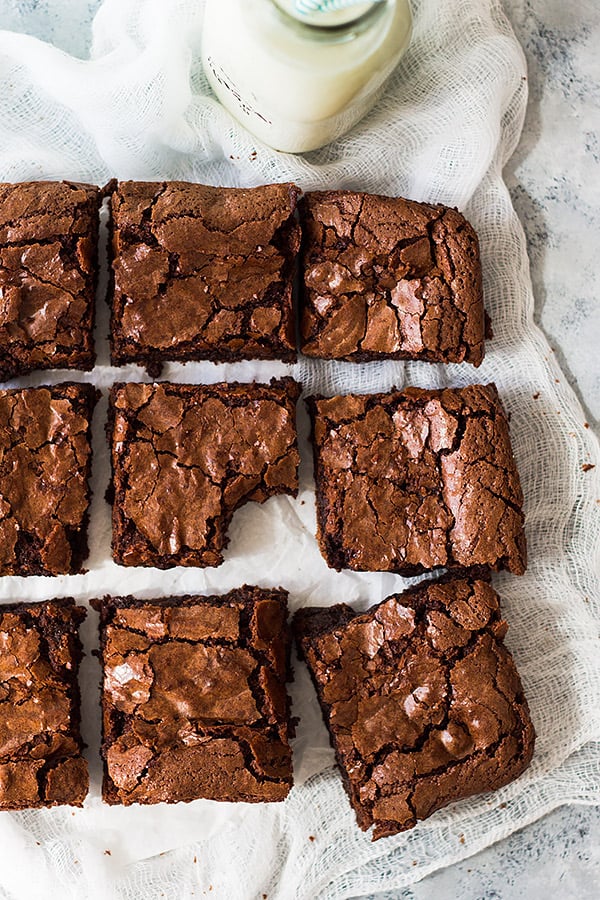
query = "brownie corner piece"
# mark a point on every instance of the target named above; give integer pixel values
(202, 272)
(385, 277)
(414, 480)
(41, 762)
(45, 466)
(48, 276)
(185, 457)
(423, 702)
(194, 699)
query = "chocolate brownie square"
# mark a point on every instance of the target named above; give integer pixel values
(185, 457)
(40, 744)
(422, 700)
(387, 278)
(203, 273)
(45, 463)
(48, 274)
(409, 481)
(193, 698)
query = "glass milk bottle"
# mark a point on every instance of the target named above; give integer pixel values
(299, 79)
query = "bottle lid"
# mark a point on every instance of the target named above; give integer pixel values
(327, 13)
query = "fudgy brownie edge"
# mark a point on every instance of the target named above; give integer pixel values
(48, 276)
(41, 762)
(45, 438)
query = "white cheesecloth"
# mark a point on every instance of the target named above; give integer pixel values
(450, 119)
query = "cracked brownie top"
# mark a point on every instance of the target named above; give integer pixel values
(40, 744)
(387, 277)
(203, 272)
(422, 700)
(45, 462)
(185, 457)
(410, 481)
(48, 270)
(194, 699)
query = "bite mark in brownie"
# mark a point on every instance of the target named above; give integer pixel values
(414, 480)
(45, 465)
(185, 457)
(48, 276)
(194, 700)
(422, 700)
(386, 277)
(203, 273)
(40, 742)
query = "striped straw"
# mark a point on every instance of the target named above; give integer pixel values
(317, 6)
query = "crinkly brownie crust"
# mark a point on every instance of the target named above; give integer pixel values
(185, 457)
(194, 700)
(410, 481)
(422, 699)
(41, 761)
(389, 278)
(48, 276)
(202, 273)
(45, 465)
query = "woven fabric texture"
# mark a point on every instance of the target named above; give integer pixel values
(449, 120)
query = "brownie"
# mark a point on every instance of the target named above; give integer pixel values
(202, 273)
(422, 700)
(185, 457)
(409, 481)
(194, 701)
(48, 275)
(387, 278)
(40, 743)
(45, 462)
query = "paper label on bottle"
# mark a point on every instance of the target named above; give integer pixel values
(228, 84)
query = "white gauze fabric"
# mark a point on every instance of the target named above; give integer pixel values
(140, 108)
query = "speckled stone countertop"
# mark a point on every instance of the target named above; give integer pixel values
(554, 179)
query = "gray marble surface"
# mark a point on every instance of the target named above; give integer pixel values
(556, 857)
(554, 179)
